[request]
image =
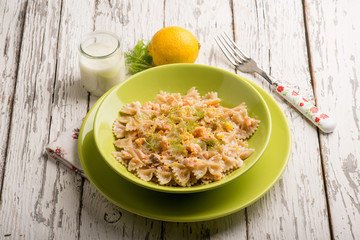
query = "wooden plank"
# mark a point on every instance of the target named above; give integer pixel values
(63, 188)
(100, 219)
(334, 29)
(273, 34)
(131, 21)
(229, 227)
(205, 19)
(24, 180)
(10, 42)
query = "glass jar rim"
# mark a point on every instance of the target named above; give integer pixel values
(86, 36)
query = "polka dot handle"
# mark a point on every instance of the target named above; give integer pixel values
(323, 121)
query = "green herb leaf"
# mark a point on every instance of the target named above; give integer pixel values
(176, 145)
(138, 59)
(210, 142)
(200, 115)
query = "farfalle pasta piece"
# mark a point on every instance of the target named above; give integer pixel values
(227, 137)
(118, 129)
(131, 109)
(135, 164)
(145, 174)
(161, 97)
(242, 143)
(124, 143)
(238, 113)
(193, 93)
(212, 102)
(181, 174)
(124, 119)
(123, 157)
(164, 174)
(232, 163)
(200, 170)
(211, 95)
(240, 108)
(131, 125)
(208, 178)
(216, 166)
(192, 181)
(211, 99)
(246, 152)
(140, 154)
(249, 128)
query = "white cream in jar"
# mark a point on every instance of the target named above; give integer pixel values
(102, 63)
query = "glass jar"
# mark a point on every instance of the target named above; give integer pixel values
(101, 61)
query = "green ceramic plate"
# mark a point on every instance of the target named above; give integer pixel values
(179, 78)
(202, 206)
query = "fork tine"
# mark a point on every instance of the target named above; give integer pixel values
(230, 46)
(237, 47)
(230, 50)
(225, 51)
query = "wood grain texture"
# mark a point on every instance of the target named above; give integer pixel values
(10, 42)
(205, 19)
(69, 105)
(25, 178)
(41, 95)
(131, 21)
(273, 33)
(103, 220)
(334, 30)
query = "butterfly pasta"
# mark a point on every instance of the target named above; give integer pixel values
(183, 140)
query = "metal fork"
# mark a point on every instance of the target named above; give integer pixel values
(247, 65)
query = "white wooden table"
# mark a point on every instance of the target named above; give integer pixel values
(312, 44)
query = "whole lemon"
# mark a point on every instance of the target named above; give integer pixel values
(173, 45)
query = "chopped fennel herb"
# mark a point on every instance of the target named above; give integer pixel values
(176, 145)
(150, 145)
(171, 111)
(153, 142)
(211, 142)
(138, 59)
(189, 126)
(200, 115)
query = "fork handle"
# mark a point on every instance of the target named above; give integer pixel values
(323, 121)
